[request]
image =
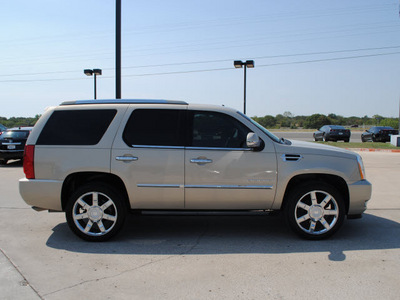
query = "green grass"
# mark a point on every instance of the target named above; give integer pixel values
(369, 145)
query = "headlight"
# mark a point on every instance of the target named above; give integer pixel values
(361, 167)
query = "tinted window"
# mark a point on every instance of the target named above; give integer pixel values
(217, 130)
(15, 135)
(155, 127)
(76, 127)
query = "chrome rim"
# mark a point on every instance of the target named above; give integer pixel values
(94, 213)
(316, 212)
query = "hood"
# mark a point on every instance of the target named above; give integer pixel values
(300, 147)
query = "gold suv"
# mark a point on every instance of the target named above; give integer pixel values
(97, 160)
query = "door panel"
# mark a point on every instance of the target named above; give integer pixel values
(148, 156)
(229, 180)
(154, 177)
(220, 171)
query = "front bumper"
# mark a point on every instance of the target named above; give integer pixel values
(360, 193)
(42, 194)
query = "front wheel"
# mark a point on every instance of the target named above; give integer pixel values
(95, 212)
(315, 210)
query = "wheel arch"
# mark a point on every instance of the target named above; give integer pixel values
(334, 180)
(75, 180)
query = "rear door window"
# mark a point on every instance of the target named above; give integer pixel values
(155, 127)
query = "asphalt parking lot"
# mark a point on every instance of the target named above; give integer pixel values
(203, 256)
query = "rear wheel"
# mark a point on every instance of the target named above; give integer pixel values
(347, 140)
(95, 212)
(3, 161)
(315, 210)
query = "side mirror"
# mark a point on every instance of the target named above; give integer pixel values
(252, 140)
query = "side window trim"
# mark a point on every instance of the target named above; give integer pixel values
(189, 148)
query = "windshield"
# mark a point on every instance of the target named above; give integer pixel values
(271, 136)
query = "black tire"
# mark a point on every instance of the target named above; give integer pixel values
(95, 212)
(347, 140)
(3, 161)
(313, 219)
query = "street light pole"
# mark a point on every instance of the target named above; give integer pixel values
(95, 72)
(244, 89)
(247, 64)
(118, 49)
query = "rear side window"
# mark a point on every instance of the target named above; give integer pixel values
(76, 127)
(155, 127)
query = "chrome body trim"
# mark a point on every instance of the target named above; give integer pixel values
(201, 161)
(190, 148)
(291, 157)
(126, 158)
(228, 187)
(157, 147)
(11, 143)
(218, 149)
(231, 187)
(160, 185)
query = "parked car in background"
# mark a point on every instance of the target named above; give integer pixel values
(378, 134)
(332, 133)
(12, 143)
(2, 128)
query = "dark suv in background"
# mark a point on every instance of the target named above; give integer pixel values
(12, 143)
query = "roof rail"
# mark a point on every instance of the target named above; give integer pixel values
(124, 101)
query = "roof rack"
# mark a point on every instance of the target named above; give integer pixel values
(124, 101)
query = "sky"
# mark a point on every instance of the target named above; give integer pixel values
(311, 56)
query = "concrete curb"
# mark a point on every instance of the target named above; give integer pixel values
(374, 150)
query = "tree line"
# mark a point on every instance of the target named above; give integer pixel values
(285, 120)
(315, 121)
(18, 121)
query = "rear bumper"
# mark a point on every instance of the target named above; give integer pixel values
(41, 194)
(338, 137)
(11, 154)
(360, 193)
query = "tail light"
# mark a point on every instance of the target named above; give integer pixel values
(29, 166)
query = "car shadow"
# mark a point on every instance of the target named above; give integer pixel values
(13, 164)
(229, 234)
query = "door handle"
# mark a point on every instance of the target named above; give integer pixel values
(126, 158)
(201, 161)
